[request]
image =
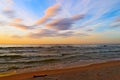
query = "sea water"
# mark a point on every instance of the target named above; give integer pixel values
(32, 57)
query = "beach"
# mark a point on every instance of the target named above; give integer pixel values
(100, 71)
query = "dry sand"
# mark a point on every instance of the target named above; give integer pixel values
(101, 71)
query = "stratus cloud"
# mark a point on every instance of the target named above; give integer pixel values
(9, 13)
(51, 11)
(49, 33)
(64, 23)
(53, 33)
(78, 17)
(90, 30)
(66, 34)
(117, 20)
(43, 33)
(21, 26)
(16, 36)
(17, 20)
(2, 23)
(116, 23)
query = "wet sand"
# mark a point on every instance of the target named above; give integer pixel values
(100, 71)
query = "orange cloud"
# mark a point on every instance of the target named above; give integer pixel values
(20, 26)
(17, 23)
(51, 11)
(16, 20)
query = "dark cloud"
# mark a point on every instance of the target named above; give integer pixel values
(9, 13)
(90, 30)
(64, 23)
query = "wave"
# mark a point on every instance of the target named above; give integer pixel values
(12, 56)
(38, 60)
(32, 61)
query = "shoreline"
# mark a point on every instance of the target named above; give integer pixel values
(97, 67)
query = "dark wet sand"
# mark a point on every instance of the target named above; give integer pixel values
(100, 71)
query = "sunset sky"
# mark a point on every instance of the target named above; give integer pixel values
(59, 21)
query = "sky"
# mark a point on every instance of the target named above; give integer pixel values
(59, 21)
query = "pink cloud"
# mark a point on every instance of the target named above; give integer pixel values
(51, 11)
(78, 16)
(21, 26)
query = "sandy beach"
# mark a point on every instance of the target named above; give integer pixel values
(100, 71)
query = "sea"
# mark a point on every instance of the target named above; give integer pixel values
(27, 58)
